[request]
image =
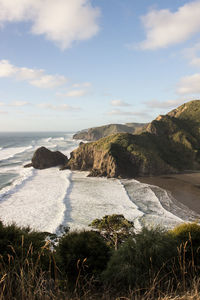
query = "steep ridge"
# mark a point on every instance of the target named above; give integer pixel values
(169, 144)
(96, 133)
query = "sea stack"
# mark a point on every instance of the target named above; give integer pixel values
(44, 158)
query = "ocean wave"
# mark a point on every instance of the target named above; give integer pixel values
(148, 202)
(7, 153)
(38, 202)
(23, 176)
(59, 139)
(90, 198)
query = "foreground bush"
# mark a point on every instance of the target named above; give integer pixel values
(25, 262)
(141, 259)
(188, 234)
(152, 264)
(83, 253)
(17, 242)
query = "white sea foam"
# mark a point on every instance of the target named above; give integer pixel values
(59, 139)
(38, 202)
(91, 198)
(147, 201)
(24, 174)
(11, 152)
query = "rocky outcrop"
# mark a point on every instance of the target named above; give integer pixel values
(187, 111)
(96, 133)
(169, 144)
(44, 158)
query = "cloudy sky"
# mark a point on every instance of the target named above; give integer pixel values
(66, 65)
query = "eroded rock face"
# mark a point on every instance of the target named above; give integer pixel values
(43, 158)
(99, 163)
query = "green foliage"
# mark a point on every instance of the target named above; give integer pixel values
(188, 111)
(188, 234)
(82, 252)
(139, 260)
(16, 241)
(25, 260)
(114, 228)
(152, 261)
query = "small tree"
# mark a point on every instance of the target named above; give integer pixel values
(114, 228)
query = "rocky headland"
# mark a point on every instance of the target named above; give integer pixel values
(169, 144)
(96, 133)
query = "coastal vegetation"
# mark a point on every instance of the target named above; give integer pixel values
(154, 263)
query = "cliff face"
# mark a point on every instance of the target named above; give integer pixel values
(169, 144)
(96, 133)
(98, 161)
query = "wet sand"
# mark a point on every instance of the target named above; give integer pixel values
(185, 188)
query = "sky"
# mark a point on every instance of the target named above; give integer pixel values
(67, 65)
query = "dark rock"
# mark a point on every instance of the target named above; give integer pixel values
(44, 158)
(28, 165)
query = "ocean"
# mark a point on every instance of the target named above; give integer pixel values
(48, 199)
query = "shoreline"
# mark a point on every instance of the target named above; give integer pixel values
(184, 188)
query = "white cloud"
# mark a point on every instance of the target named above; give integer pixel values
(164, 104)
(7, 69)
(35, 77)
(2, 103)
(164, 28)
(192, 55)
(61, 107)
(77, 93)
(79, 85)
(119, 103)
(61, 21)
(117, 112)
(48, 81)
(189, 85)
(3, 112)
(19, 103)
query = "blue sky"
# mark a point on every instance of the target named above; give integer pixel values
(67, 65)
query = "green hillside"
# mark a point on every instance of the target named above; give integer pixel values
(169, 144)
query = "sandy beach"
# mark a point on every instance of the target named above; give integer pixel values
(185, 188)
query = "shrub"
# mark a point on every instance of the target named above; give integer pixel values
(139, 260)
(82, 252)
(188, 234)
(24, 261)
(16, 241)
